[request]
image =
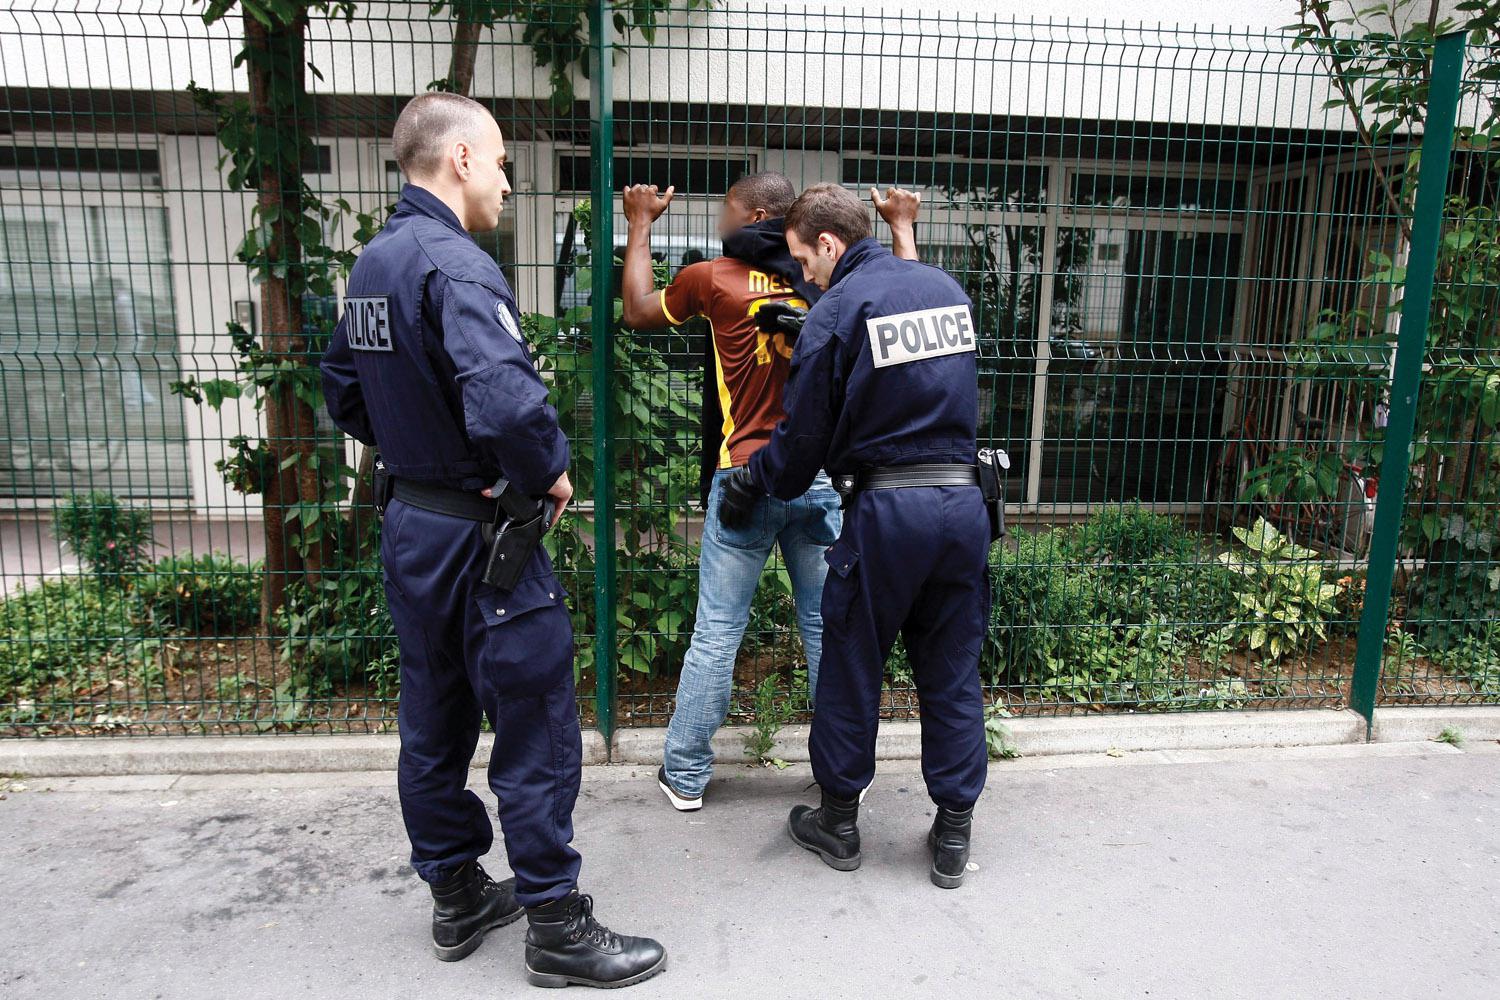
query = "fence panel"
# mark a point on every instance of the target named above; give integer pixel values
(1442, 643)
(121, 270)
(1159, 228)
(1186, 257)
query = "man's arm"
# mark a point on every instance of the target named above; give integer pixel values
(898, 207)
(638, 295)
(341, 391)
(506, 412)
(787, 465)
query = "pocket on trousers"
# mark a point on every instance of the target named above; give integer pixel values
(529, 595)
(842, 584)
(822, 518)
(528, 641)
(754, 534)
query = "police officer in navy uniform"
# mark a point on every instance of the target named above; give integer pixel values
(428, 365)
(883, 393)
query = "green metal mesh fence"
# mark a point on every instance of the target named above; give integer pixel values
(1188, 252)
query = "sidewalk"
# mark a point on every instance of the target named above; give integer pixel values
(1359, 871)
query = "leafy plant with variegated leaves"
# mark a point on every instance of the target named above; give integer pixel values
(1285, 603)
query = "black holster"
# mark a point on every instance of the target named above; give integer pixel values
(843, 485)
(381, 486)
(992, 465)
(520, 522)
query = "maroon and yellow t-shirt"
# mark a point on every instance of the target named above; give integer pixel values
(750, 366)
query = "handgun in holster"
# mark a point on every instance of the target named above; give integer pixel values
(992, 465)
(520, 523)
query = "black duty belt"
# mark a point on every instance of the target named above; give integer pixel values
(892, 477)
(442, 500)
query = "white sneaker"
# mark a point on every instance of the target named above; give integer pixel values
(679, 801)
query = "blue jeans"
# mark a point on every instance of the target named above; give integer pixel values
(729, 571)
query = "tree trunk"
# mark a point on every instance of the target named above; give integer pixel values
(465, 48)
(275, 70)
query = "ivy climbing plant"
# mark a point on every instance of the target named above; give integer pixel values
(266, 141)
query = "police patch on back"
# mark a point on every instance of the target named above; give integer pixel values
(926, 333)
(369, 323)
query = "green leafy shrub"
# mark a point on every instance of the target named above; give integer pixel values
(1126, 534)
(1040, 600)
(205, 595)
(56, 630)
(109, 537)
(339, 629)
(1148, 566)
(1284, 602)
(1475, 658)
(1458, 590)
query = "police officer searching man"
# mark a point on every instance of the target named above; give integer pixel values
(428, 365)
(745, 370)
(883, 393)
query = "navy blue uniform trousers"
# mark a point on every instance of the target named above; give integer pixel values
(467, 649)
(912, 561)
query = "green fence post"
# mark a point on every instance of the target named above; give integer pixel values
(1411, 345)
(601, 319)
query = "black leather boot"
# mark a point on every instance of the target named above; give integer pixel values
(565, 944)
(948, 840)
(831, 831)
(466, 907)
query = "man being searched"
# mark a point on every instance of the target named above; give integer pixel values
(428, 365)
(883, 393)
(746, 365)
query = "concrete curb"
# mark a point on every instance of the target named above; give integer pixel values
(91, 756)
(1405, 725)
(1033, 737)
(1041, 736)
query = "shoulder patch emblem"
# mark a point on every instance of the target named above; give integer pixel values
(507, 321)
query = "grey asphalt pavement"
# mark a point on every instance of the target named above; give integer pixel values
(1349, 871)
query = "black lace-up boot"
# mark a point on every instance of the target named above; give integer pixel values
(565, 944)
(466, 907)
(831, 831)
(948, 840)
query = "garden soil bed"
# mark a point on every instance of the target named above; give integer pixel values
(230, 686)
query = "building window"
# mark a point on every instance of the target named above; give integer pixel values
(88, 350)
(691, 176)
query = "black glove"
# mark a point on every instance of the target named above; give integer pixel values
(738, 495)
(778, 317)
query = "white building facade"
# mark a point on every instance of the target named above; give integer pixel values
(1156, 210)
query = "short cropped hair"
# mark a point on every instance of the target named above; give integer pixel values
(766, 190)
(828, 208)
(428, 127)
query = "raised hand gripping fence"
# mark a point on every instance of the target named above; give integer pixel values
(1193, 254)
